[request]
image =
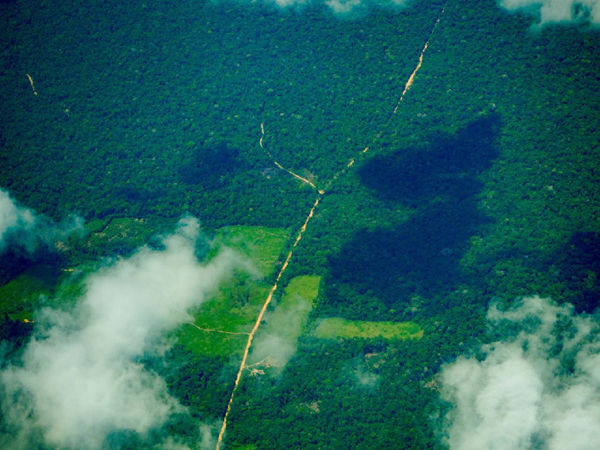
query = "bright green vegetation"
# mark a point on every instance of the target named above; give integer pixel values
(277, 338)
(224, 313)
(235, 308)
(291, 313)
(261, 244)
(113, 236)
(120, 235)
(306, 287)
(335, 327)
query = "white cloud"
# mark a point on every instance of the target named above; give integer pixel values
(556, 11)
(22, 228)
(345, 6)
(342, 8)
(365, 378)
(538, 389)
(80, 378)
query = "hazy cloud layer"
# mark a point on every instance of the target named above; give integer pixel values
(277, 340)
(538, 388)
(206, 438)
(208, 434)
(365, 378)
(342, 8)
(80, 380)
(554, 11)
(23, 228)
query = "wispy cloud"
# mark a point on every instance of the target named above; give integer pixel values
(277, 341)
(80, 378)
(538, 387)
(341, 8)
(22, 228)
(557, 11)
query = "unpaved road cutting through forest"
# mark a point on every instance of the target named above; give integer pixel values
(259, 320)
(243, 366)
(411, 79)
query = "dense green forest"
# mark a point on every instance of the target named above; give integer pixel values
(482, 188)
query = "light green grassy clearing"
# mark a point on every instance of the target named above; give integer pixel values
(237, 304)
(303, 287)
(109, 237)
(261, 244)
(224, 313)
(289, 317)
(336, 327)
(279, 335)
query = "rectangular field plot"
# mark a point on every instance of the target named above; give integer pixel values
(335, 327)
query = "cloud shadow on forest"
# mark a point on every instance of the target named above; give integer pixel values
(384, 267)
(210, 165)
(578, 264)
(575, 265)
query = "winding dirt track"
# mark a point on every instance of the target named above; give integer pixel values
(304, 180)
(208, 330)
(259, 319)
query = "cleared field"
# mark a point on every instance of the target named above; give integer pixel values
(261, 244)
(301, 288)
(220, 325)
(277, 338)
(232, 311)
(121, 234)
(336, 327)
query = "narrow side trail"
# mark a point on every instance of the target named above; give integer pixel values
(208, 330)
(259, 319)
(304, 180)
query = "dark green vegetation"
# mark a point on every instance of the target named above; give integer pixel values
(484, 185)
